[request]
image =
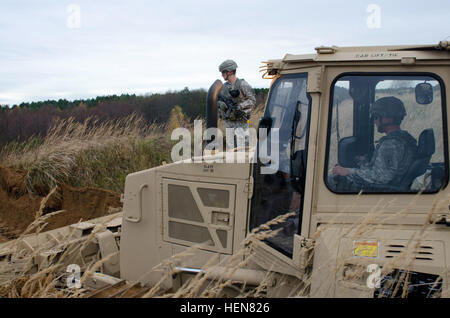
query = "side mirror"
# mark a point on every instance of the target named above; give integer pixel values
(424, 93)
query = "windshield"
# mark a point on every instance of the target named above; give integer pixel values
(287, 95)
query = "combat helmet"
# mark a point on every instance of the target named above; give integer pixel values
(228, 65)
(389, 107)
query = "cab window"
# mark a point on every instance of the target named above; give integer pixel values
(386, 134)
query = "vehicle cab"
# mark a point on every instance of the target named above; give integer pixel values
(397, 230)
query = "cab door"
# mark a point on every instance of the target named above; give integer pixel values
(280, 172)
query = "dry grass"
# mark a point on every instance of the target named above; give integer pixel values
(89, 153)
(202, 285)
(363, 229)
(82, 151)
(21, 274)
(49, 281)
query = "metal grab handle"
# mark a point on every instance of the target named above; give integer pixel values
(138, 219)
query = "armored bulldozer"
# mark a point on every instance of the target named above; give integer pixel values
(369, 232)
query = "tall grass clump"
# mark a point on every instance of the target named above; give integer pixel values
(89, 153)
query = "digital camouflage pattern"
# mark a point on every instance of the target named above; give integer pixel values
(391, 159)
(245, 101)
(228, 65)
(235, 130)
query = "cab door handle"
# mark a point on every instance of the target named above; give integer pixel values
(139, 218)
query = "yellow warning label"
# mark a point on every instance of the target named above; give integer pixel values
(365, 249)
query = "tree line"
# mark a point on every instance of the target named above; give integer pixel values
(20, 122)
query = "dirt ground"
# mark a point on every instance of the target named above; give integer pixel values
(18, 208)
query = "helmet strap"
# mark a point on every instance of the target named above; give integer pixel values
(381, 127)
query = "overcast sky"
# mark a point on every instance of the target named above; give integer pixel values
(82, 49)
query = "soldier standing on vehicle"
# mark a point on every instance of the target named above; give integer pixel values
(394, 152)
(235, 104)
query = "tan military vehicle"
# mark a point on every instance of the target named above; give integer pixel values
(388, 239)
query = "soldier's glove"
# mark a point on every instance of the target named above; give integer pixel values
(243, 113)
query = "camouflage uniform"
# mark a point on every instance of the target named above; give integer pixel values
(392, 157)
(245, 102)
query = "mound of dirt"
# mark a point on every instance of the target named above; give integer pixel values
(81, 204)
(18, 208)
(12, 181)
